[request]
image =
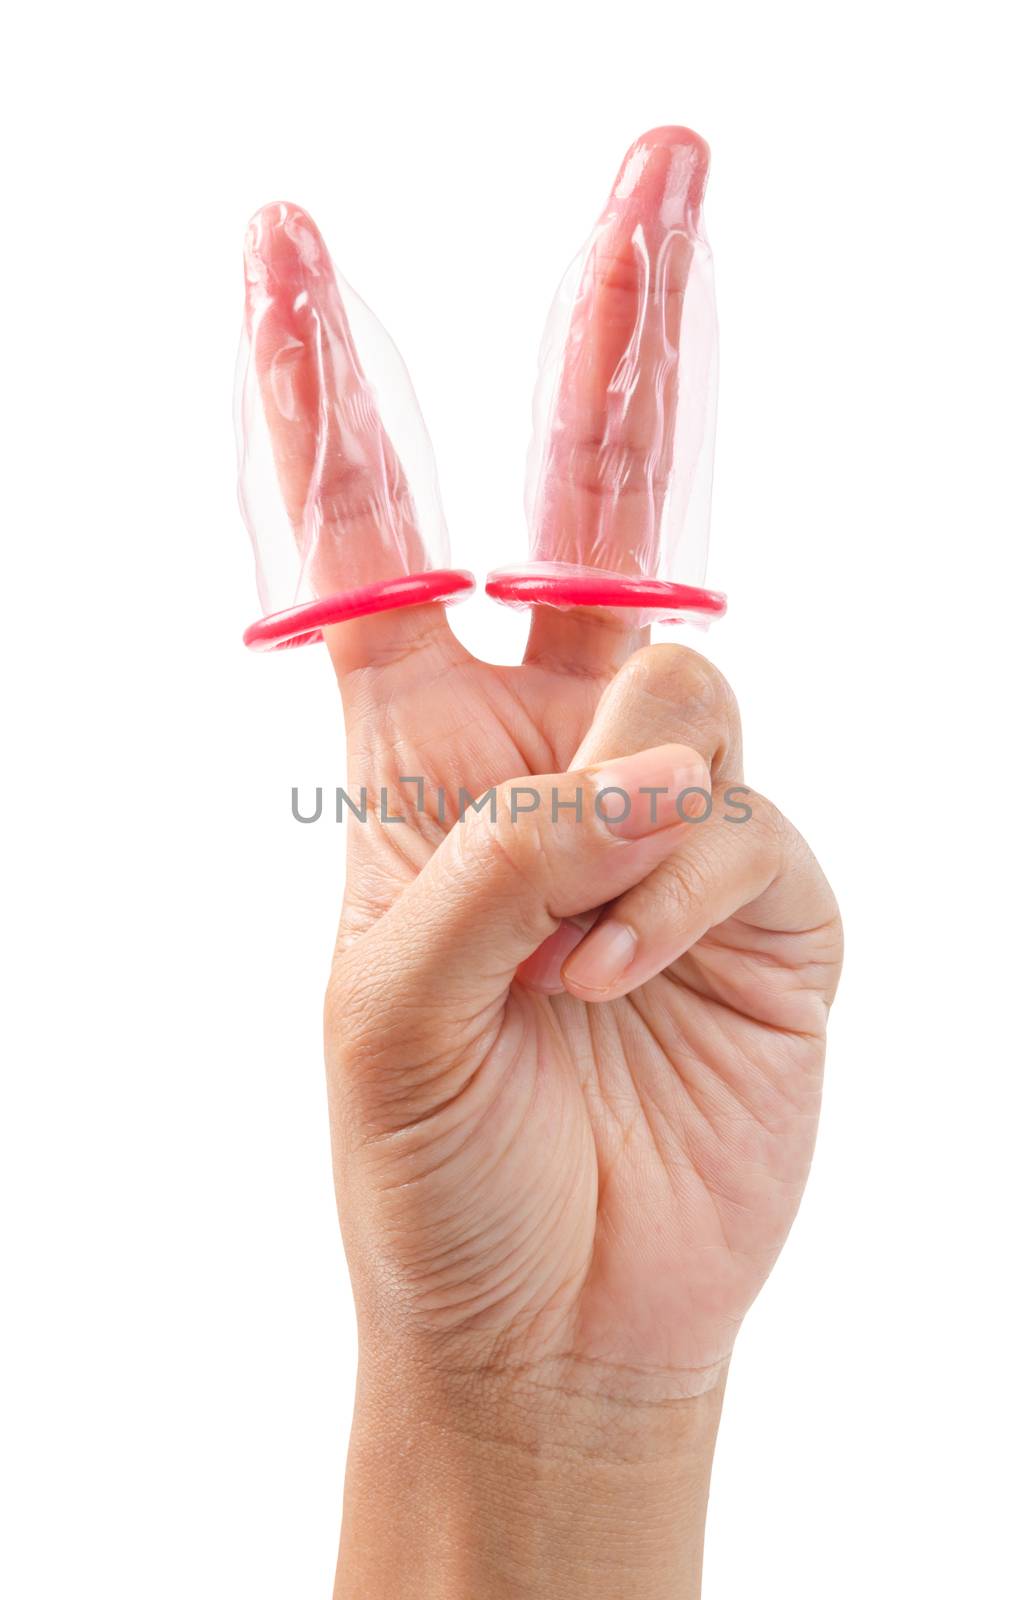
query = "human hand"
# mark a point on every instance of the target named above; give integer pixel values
(574, 1073)
(561, 1188)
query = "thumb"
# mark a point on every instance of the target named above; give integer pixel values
(433, 974)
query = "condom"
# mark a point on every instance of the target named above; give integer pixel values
(336, 476)
(618, 489)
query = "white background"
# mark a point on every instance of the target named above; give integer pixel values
(179, 1348)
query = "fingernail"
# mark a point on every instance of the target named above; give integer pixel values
(654, 789)
(602, 957)
(542, 970)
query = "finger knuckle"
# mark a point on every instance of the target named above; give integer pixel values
(680, 677)
(771, 832)
(510, 831)
(682, 883)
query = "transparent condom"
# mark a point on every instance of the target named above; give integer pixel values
(619, 480)
(336, 475)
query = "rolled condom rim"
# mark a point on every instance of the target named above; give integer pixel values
(302, 625)
(544, 583)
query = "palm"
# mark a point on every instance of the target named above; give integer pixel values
(621, 1175)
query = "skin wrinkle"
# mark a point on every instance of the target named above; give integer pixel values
(588, 647)
(691, 1050)
(647, 1099)
(562, 1205)
(539, 1230)
(350, 1061)
(698, 958)
(400, 744)
(398, 848)
(600, 1020)
(497, 1290)
(519, 1370)
(572, 1451)
(446, 1109)
(686, 1079)
(413, 1117)
(393, 1136)
(648, 1105)
(518, 1248)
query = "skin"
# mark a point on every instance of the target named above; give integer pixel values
(557, 1207)
(574, 1074)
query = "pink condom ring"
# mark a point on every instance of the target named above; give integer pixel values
(283, 630)
(336, 476)
(567, 588)
(618, 491)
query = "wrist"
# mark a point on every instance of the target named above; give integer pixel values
(522, 1484)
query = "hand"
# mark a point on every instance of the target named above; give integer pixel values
(621, 1151)
(574, 1057)
(562, 1180)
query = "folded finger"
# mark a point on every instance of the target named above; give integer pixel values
(743, 860)
(665, 694)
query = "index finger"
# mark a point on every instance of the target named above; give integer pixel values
(353, 543)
